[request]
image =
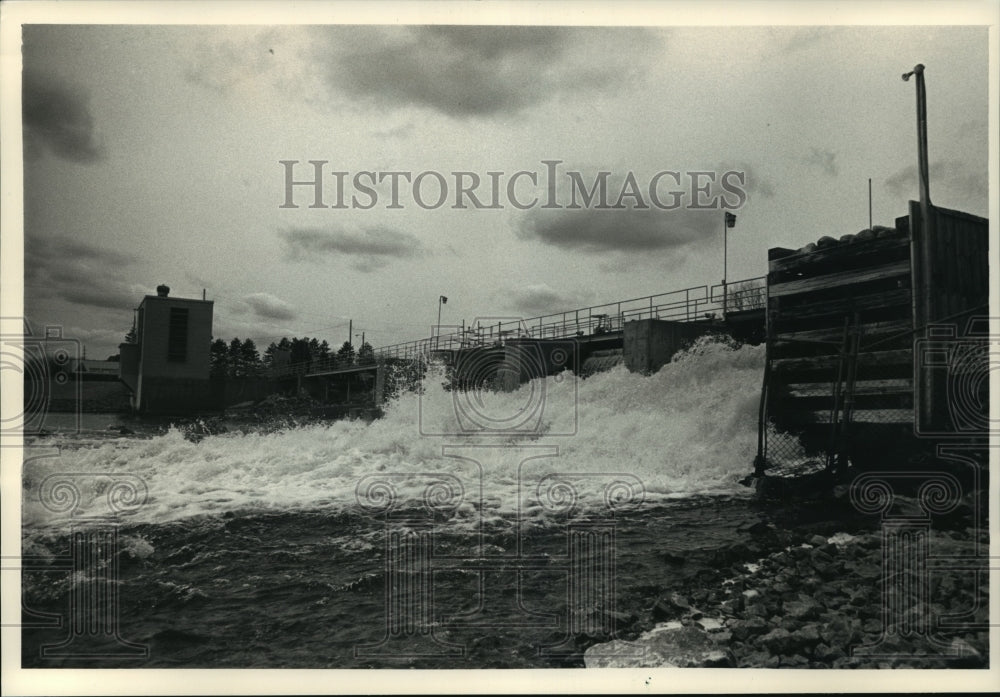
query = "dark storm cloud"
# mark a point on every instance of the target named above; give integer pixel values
(371, 249)
(76, 272)
(824, 160)
(267, 306)
(473, 71)
(956, 180)
(57, 118)
(626, 230)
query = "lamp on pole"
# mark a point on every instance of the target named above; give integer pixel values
(442, 299)
(925, 195)
(729, 221)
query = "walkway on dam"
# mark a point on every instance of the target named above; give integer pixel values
(685, 305)
(696, 303)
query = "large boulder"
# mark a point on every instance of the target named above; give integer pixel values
(802, 608)
(666, 646)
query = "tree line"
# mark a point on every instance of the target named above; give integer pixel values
(241, 359)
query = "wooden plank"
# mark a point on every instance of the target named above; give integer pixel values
(946, 247)
(902, 225)
(975, 220)
(836, 280)
(834, 334)
(861, 387)
(842, 306)
(922, 296)
(976, 261)
(967, 270)
(778, 252)
(858, 416)
(840, 253)
(873, 358)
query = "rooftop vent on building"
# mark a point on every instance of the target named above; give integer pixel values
(163, 290)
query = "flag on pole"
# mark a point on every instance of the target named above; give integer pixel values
(730, 219)
(444, 300)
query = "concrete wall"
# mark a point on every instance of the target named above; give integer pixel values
(175, 397)
(167, 386)
(526, 359)
(128, 365)
(651, 343)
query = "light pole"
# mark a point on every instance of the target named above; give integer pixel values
(728, 221)
(361, 347)
(925, 195)
(925, 302)
(441, 301)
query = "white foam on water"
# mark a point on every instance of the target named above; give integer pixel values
(689, 429)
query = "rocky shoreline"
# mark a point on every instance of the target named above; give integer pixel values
(817, 601)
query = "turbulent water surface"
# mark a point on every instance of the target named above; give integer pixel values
(418, 539)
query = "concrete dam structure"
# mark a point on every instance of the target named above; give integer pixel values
(643, 333)
(165, 367)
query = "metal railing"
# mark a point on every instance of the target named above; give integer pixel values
(685, 305)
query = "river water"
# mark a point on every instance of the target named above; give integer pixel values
(460, 530)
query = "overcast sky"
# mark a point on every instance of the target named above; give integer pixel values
(152, 155)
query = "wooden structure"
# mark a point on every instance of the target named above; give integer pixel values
(849, 325)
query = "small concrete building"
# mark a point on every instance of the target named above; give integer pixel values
(167, 368)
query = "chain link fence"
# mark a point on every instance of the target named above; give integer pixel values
(837, 404)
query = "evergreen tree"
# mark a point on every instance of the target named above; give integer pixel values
(345, 354)
(366, 354)
(268, 357)
(219, 359)
(236, 366)
(300, 351)
(252, 365)
(282, 349)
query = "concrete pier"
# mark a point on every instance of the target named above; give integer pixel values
(648, 344)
